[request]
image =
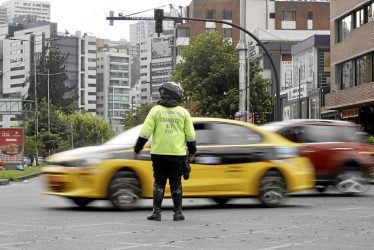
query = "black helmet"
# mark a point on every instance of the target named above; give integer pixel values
(171, 90)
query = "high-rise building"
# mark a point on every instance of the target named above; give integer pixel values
(87, 86)
(21, 8)
(22, 45)
(80, 65)
(113, 85)
(3, 16)
(156, 64)
(141, 30)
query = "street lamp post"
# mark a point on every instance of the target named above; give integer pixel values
(35, 102)
(49, 122)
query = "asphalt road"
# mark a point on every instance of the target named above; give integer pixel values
(31, 220)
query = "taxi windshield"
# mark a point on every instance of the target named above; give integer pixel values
(127, 137)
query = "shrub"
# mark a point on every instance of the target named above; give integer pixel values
(370, 139)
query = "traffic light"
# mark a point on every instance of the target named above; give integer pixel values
(158, 16)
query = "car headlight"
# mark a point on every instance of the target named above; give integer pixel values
(88, 160)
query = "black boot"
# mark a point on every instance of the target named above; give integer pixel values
(158, 196)
(177, 201)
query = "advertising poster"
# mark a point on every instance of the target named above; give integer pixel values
(11, 144)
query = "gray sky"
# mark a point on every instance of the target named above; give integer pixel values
(90, 15)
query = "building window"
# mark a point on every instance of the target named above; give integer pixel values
(227, 32)
(272, 15)
(17, 77)
(17, 68)
(226, 14)
(288, 15)
(345, 26)
(210, 14)
(347, 75)
(183, 32)
(310, 15)
(364, 69)
(211, 29)
(370, 12)
(359, 18)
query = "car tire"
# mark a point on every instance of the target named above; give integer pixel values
(82, 202)
(124, 190)
(321, 189)
(272, 189)
(351, 181)
(221, 201)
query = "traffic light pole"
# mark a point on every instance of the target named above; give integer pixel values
(277, 108)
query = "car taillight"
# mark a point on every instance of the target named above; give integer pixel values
(364, 148)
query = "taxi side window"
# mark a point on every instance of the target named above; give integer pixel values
(231, 134)
(295, 134)
(204, 134)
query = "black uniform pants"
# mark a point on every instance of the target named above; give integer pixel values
(168, 166)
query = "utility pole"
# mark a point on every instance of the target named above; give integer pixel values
(33, 38)
(241, 47)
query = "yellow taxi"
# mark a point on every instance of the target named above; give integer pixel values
(233, 160)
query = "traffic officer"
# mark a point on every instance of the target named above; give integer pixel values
(172, 129)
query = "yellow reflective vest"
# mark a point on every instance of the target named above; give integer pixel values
(171, 128)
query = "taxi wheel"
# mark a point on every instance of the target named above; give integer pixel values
(272, 189)
(221, 201)
(82, 202)
(351, 181)
(321, 189)
(124, 190)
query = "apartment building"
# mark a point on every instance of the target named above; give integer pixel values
(352, 52)
(225, 10)
(156, 64)
(3, 16)
(287, 14)
(113, 85)
(40, 10)
(87, 86)
(80, 65)
(21, 49)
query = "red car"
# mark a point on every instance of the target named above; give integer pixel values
(337, 149)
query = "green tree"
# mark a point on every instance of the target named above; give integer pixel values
(51, 67)
(137, 116)
(88, 129)
(48, 141)
(209, 75)
(261, 101)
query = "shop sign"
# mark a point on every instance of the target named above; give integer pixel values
(349, 113)
(293, 93)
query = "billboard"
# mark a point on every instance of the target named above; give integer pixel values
(11, 145)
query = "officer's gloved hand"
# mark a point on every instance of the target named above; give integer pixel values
(186, 169)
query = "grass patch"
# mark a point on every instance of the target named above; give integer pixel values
(12, 174)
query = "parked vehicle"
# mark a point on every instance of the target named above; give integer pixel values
(337, 149)
(233, 160)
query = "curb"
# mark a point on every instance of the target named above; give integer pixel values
(26, 177)
(4, 181)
